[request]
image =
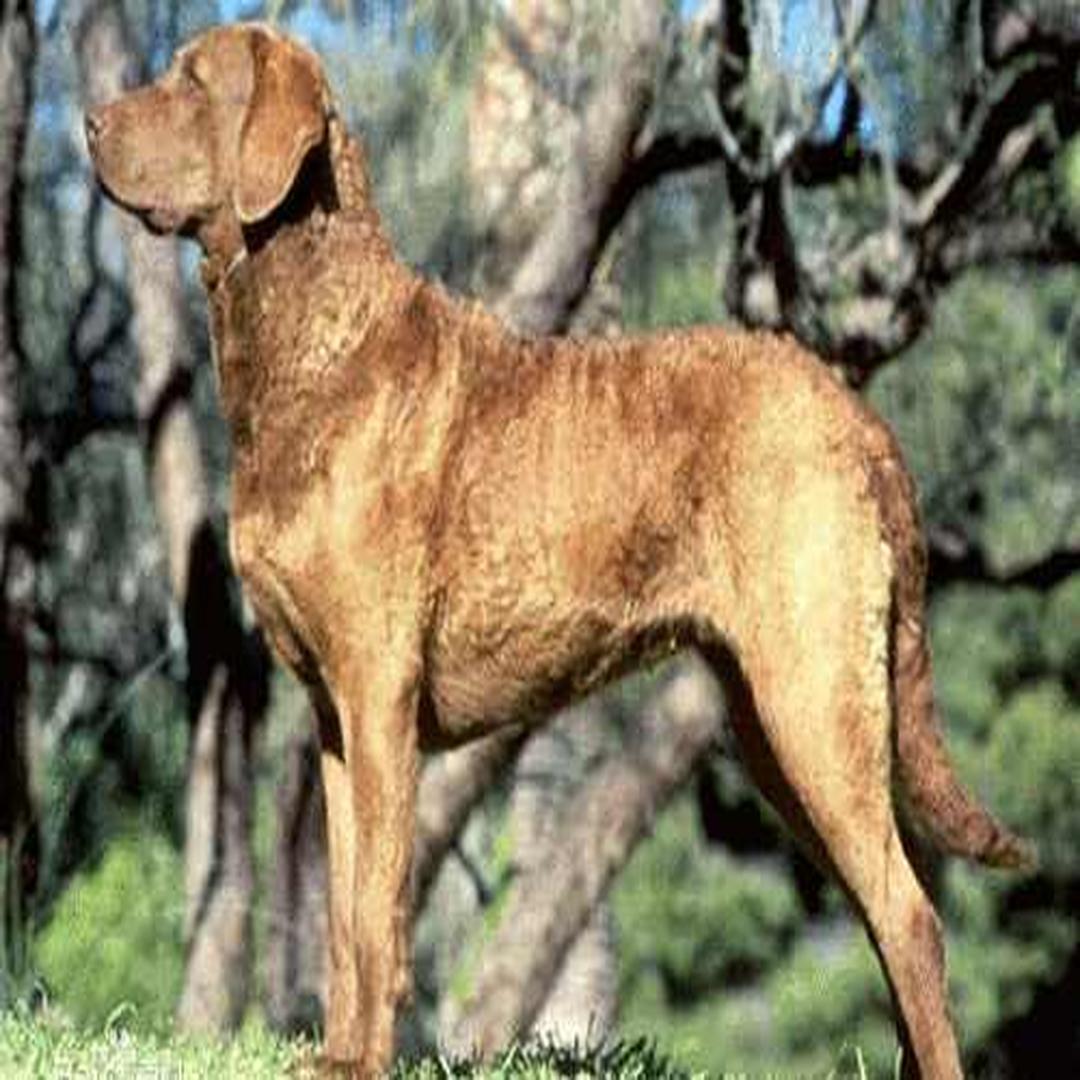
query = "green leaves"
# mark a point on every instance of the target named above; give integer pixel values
(698, 918)
(115, 937)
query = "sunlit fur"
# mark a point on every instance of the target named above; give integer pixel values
(445, 528)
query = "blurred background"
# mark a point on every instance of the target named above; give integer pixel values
(897, 185)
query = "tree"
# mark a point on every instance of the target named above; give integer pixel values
(18, 827)
(296, 949)
(227, 683)
(692, 155)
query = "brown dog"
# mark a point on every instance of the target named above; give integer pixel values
(444, 527)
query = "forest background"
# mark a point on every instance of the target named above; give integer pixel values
(897, 185)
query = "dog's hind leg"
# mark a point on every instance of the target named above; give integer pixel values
(816, 730)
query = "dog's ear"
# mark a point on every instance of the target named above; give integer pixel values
(286, 118)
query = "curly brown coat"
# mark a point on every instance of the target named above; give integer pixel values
(445, 528)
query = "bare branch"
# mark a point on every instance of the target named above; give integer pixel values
(553, 276)
(450, 787)
(997, 241)
(997, 117)
(958, 560)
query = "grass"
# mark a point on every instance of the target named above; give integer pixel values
(41, 1049)
(637, 1060)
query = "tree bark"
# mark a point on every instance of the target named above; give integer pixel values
(296, 949)
(580, 1002)
(18, 830)
(570, 872)
(450, 787)
(554, 274)
(227, 681)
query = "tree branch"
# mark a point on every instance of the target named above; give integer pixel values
(997, 241)
(554, 274)
(956, 560)
(1007, 105)
(451, 785)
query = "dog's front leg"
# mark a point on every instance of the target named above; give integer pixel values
(371, 806)
(341, 1022)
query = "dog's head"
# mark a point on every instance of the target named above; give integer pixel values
(225, 129)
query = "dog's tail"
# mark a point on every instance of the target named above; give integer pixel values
(939, 804)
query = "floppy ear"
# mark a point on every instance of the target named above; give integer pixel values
(286, 117)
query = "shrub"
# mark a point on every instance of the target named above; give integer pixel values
(114, 944)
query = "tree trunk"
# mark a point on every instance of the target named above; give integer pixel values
(580, 1003)
(18, 831)
(450, 787)
(552, 900)
(227, 672)
(555, 272)
(296, 950)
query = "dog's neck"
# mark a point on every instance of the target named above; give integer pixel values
(256, 277)
(332, 180)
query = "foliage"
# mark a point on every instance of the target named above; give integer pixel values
(830, 993)
(704, 921)
(113, 950)
(108, 769)
(717, 963)
(1005, 679)
(1004, 662)
(998, 958)
(995, 466)
(746, 1031)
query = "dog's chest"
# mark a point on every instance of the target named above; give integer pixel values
(262, 559)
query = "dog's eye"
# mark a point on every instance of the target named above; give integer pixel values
(193, 76)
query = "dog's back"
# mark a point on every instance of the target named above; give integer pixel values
(598, 489)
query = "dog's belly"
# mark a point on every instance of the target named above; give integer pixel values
(490, 674)
(538, 659)
(547, 599)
